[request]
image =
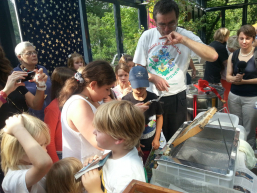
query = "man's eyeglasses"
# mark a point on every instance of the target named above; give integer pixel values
(169, 25)
(31, 53)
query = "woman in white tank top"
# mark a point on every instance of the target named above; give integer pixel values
(78, 100)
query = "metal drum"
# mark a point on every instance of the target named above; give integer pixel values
(204, 100)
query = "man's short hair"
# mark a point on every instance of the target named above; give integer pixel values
(164, 7)
(120, 120)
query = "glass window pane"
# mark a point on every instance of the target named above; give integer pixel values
(130, 26)
(233, 20)
(14, 21)
(251, 14)
(213, 17)
(101, 27)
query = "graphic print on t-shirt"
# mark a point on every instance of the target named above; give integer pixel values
(163, 63)
(151, 125)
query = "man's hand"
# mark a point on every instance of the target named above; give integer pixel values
(92, 181)
(173, 38)
(160, 83)
(193, 73)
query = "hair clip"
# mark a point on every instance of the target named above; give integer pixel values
(79, 78)
(69, 56)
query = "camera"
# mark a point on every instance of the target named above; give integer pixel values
(30, 76)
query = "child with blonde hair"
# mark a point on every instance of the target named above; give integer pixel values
(61, 179)
(118, 127)
(24, 158)
(75, 60)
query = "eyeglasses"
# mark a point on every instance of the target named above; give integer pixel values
(169, 25)
(31, 53)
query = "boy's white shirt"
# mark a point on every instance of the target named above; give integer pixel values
(14, 181)
(117, 174)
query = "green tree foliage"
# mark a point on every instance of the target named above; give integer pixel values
(102, 32)
(212, 20)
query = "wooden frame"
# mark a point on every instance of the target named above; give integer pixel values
(136, 186)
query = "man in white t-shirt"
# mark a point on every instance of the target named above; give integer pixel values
(166, 52)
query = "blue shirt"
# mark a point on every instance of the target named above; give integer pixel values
(31, 86)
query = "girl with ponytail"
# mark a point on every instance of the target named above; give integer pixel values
(78, 100)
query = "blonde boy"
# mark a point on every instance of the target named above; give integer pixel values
(118, 127)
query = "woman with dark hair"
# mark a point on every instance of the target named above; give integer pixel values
(53, 113)
(28, 57)
(243, 94)
(78, 100)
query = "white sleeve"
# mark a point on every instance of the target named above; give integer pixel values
(140, 56)
(194, 37)
(14, 182)
(124, 181)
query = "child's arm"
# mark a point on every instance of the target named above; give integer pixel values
(92, 181)
(38, 157)
(156, 140)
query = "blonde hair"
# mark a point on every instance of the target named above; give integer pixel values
(11, 149)
(221, 34)
(121, 120)
(233, 43)
(60, 177)
(70, 62)
(125, 58)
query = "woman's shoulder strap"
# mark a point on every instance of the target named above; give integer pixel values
(235, 55)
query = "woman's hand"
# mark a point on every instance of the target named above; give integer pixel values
(40, 77)
(239, 77)
(13, 124)
(13, 81)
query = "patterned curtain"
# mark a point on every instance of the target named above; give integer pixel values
(53, 26)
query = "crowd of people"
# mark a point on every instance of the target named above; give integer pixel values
(52, 126)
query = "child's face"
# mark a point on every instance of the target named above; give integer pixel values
(139, 92)
(123, 76)
(99, 93)
(77, 62)
(104, 140)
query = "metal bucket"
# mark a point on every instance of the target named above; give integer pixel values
(204, 100)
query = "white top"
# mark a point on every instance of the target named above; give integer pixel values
(170, 62)
(117, 91)
(73, 143)
(14, 181)
(117, 174)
